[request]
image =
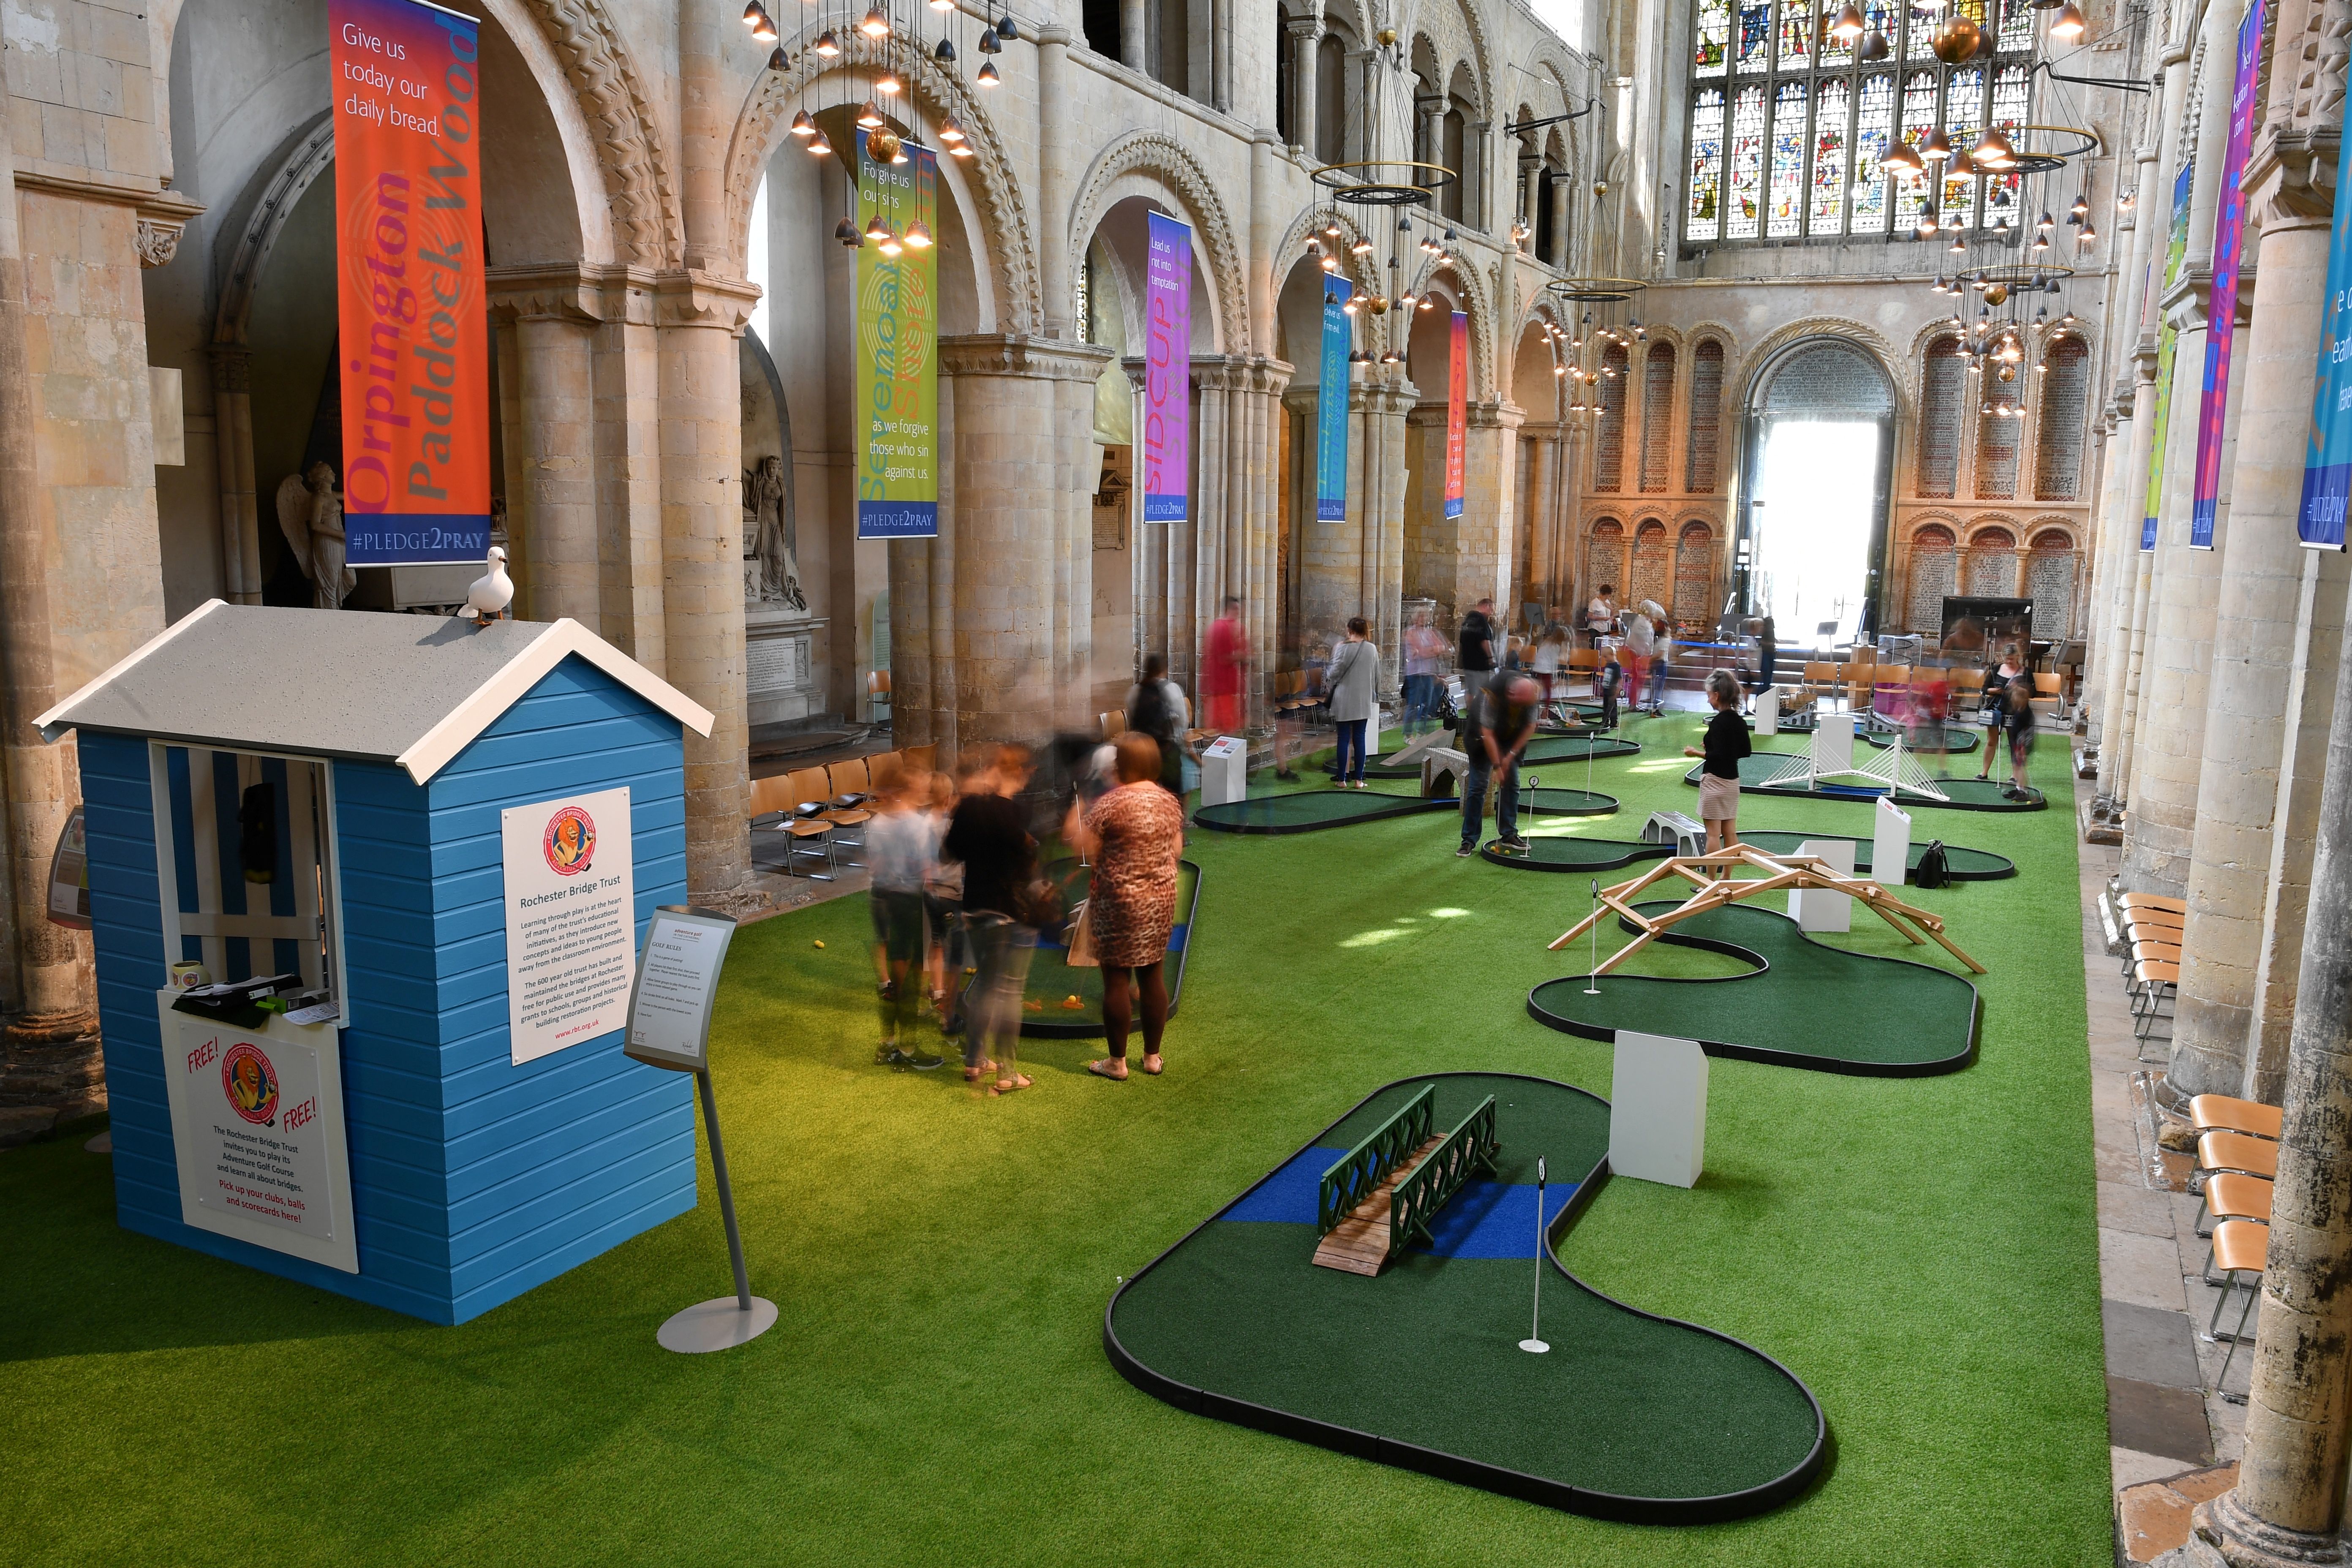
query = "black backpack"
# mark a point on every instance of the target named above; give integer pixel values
(1934, 866)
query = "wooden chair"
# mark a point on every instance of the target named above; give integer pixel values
(772, 801)
(2231, 1153)
(2155, 901)
(2157, 980)
(2229, 1195)
(811, 835)
(2239, 1248)
(885, 769)
(2221, 1113)
(850, 783)
(925, 759)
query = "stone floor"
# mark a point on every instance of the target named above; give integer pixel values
(2167, 1420)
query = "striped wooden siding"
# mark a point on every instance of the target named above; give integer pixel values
(473, 1180)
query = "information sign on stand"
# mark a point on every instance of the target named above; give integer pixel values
(669, 1027)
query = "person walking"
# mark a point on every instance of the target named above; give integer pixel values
(1640, 639)
(1724, 743)
(1995, 721)
(1661, 657)
(1768, 653)
(1156, 707)
(1353, 684)
(987, 835)
(1475, 653)
(1550, 650)
(2018, 720)
(1501, 720)
(1601, 614)
(1132, 837)
(901, 841)
(1222, 654)
(1425, 651)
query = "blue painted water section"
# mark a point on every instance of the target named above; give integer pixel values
(1485, 1219)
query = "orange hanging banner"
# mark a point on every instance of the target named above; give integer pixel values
(414, 340)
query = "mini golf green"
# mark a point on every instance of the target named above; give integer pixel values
(1631, 1416)
(1311, 810)
(1544, 748)
(1609, 854)
(1919, 1020)
(1948, 738)
(1046, 1014)
(1967, 793)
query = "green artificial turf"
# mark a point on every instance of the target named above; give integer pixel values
(1918, 1019)
(936, 1391)
(1427, 1355)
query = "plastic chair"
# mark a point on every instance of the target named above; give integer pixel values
(851, 788)
(807, 788)
(2222, 1114)
(2239, 1248)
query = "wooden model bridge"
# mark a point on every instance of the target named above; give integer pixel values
(1388, 1189)
(1713, 877)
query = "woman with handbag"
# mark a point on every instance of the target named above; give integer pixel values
(987, 835)
(1354, 685)
(1992, 716)
(1132, 837)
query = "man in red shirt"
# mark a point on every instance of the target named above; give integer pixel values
(1221, 671)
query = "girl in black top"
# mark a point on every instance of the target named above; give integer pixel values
(1726, 742)
(1995, 717)
(2017, 719)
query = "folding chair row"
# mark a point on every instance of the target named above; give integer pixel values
(2222, 1114)
(820, 810)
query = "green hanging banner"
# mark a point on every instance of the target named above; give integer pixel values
(897, 372)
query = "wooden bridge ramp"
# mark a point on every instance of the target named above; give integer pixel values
(1360, 1243)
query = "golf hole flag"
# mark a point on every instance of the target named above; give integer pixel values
(2328, 459)
(1457, 409)
(898, 372)
(413, 340)
(2229, 251)
(1168, 372)
(1331, 405)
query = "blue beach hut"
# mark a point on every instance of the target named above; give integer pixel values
(443, 841)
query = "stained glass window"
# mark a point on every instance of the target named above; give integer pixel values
(1789, 128)
(1755, 34)
(1873, 129)
(1713, 37)
(1796, 34)
(1828, 214)
(1745, 208)
(1963, 118)
(1785, 211)
(1918, 123)
(1705, 218)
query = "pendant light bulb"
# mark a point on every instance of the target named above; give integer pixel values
(888, 86)
(1874, 47)
(876, 24)
(752, 12)
(827, 44)
(1937, 147)
(869, 118)
(1993, 151)
(818, 146)
(959, 150)
(846, 232)
(876, 230)
(944, 52)
(763, 29)
(803, 125)
(988, 76)
(1961, 167)
(2067, 26)
(1848, 25)
(949, 131)
(988, 44)
(1005, 29)
(778, 60)
(890, 245)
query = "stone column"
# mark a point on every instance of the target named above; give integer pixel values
(1489, 504)
(626, 386)
(2108, 561)
(555, 431)
(2254, 636)
(1054, 149)
(1539, 549)
(1382, 576)
(1023, 573)
(46, 981)
(1133, 21)
(1429, 142)
(701, 443)
(1303, 33)
(1561, 189)
(232, 368)
(2288, 1505)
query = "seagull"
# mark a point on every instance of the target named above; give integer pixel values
(492, 592)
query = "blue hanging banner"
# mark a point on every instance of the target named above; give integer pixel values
(2327, 462)
(1332, 403)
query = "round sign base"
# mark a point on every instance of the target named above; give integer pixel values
(718, 1325)
(1533, 1347)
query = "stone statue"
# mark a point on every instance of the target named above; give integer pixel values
(776, 580)
(310, 515)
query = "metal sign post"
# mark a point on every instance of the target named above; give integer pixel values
(669, 1027)
(1534, 1343)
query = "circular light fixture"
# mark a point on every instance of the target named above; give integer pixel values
(1926, 229)
(1960, 40)
(1362, 247)
(1874, 47)
(1961, 167)
(888, 85)
(1903, 159)
(876, 24)
(988, 44)
(1960, 247)
(2087, 236)
(949, 131)
(1005, 29)
(1937, 147)
(959, 150)
(827, 44)
(803, 125)
(1993, 151)
(777, 58)
(883, 145)
(876, 230)
(752, 12)
(944, 52)
(890, 245)
(1330, 264)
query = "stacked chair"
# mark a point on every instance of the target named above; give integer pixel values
(2151, 957)
(2237, 1162)
(819, 811)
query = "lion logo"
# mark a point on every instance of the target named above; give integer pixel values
(571, 841)
(251, 1083)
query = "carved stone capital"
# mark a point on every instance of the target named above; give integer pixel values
(1020, 354)
(1494, 415)
(693, 298)
(2291, 178)
(158, 241)
(572, 291)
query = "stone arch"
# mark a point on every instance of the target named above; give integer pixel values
(1459, 277)
(311, 155)
(647, 226)
(760, 126)
(1159, 156)
(1312, 221)
(2052, 534)
(1786, 342)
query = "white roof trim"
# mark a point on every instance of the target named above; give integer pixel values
(48, 724)
(435, 749)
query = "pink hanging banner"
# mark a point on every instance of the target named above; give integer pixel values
(1168, 372)
(2229, 252)
(1458, 410)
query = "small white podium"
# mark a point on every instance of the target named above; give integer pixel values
(1818, 909)
(1657, 1110)
(1890, 845)
(1224, 771)
(1767, 710)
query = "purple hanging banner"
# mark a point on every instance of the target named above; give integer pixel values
(2222, 313)
(1168, 372)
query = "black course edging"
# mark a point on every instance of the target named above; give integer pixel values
(1453, 1467)
(1636, 850)
(1405, 805)
(1858, 795)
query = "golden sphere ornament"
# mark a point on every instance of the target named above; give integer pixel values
(1957, 41)
(882, 145)
(1995, 293)
(1380, 304)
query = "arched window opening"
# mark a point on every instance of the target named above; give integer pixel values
(1331, 98)
(1935, 577)
(1604, 556)
(1706, 416)
(1657, 416)
(1653, 567)
(1992, 564)
(1943, 383)
(2065, 392)
(1608, 452)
